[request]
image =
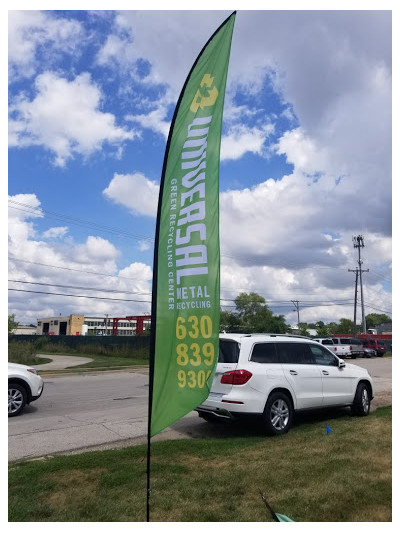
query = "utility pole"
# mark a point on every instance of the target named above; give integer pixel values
(355, 303)
(358, 242)
(296, 304)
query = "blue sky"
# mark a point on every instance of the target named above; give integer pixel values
(305, 156)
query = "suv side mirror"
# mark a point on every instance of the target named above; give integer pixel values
(342, 364)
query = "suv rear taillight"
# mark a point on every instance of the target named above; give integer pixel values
(236, 377)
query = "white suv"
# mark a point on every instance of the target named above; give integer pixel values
(24, 386)
(273, 376)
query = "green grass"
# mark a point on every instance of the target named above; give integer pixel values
(24, 353)
(104, 356)
(307, 474)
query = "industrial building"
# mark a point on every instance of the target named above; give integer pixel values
(92, 325)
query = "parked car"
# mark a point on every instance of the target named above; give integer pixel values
(273, 376)
(375, 344)
(346, 347)
(24, 386)
(369, 352)
(328, 343)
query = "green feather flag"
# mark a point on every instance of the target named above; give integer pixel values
(186, 292)
(276, 516)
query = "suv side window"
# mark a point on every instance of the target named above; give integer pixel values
(323, 356)
(228, 351)
(298, 353)
(264, 352)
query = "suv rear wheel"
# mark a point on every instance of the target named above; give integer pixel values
(278, 414)
(16, 399)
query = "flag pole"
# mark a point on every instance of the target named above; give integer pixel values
(153, 320)
(154, 309)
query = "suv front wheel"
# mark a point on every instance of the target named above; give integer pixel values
(17, 399)
(362, 401)
(278, 414)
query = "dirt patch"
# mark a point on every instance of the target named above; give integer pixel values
(73, 486)
(381, 399)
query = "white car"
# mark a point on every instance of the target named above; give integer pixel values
(24, 386)
(272, 376)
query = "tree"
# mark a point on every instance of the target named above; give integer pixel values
(345, 326)
(323, 329)
(252, 315)
(303, 327)
(12, 324)
(372, 320)
(248, 305)
(229, 322)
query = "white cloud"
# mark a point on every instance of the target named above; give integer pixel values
(242, 139)
(135, 192)
(274, 241)
(63, 265)
(65, 118)
(95, 250)
(19, 206)
(302, 152)
(55, 233)
(152, 35)
(144, 245)
(154, 120)
(30, 30)
(336, 95)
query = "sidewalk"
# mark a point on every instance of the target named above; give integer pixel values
(60, 362)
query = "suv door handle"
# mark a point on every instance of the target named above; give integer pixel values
(293, 372)
(325, 373)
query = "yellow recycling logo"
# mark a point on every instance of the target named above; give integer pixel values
(206, 95)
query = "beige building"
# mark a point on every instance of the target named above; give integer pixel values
(60, 325)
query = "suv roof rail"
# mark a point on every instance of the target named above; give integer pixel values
(267, 334)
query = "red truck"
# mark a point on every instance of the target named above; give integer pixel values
(375, 344)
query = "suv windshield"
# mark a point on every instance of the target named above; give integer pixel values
(228, 351)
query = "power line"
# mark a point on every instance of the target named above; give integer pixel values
(377, 309)
(71, 269)
(81, 296)
(309, 305)
(269, 302)
(124, 277)
(81, 222)
(80, 288)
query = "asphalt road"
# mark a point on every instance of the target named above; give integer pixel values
(102, 410)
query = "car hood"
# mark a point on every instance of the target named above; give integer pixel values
(17, 366)
(358, 370)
